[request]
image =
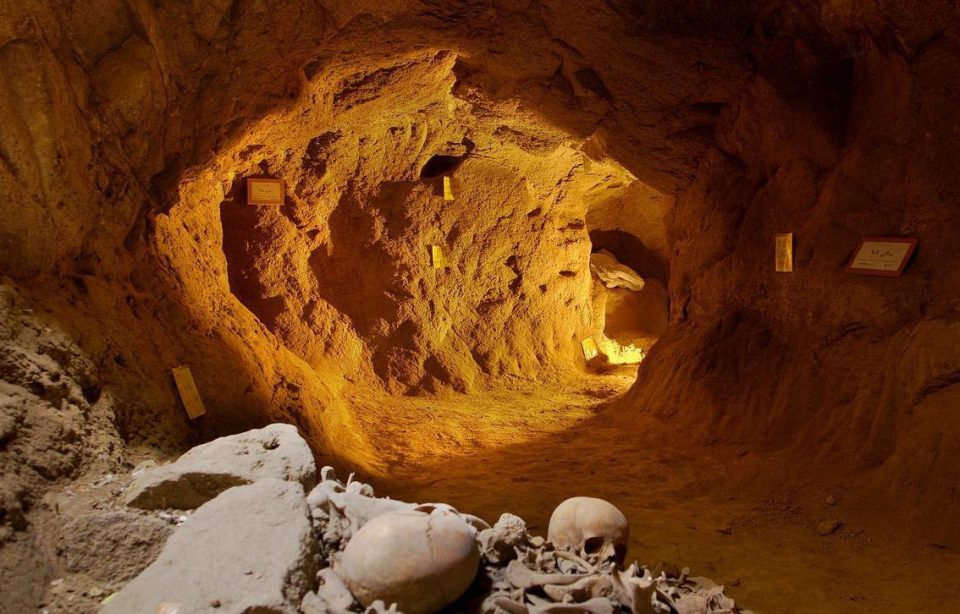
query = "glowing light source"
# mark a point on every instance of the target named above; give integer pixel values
(617, 354)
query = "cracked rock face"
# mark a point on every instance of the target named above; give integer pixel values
(113, 546)
(273, 452)
(249, 549)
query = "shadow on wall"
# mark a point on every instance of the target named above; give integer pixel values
(354, 272)
(249, 236)
(361, 277)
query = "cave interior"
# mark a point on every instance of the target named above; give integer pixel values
(522, 252)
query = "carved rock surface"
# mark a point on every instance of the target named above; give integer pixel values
(276, 451)
(250, 550)
(420, 561)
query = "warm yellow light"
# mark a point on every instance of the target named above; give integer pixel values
(617, 354)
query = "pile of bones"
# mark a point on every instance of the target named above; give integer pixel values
(383, 555)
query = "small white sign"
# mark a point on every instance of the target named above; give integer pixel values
(264, 191)
(590, 350)
(886, 257)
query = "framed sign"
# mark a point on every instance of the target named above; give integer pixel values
(884, 256)
(264, 191)
(784, 259)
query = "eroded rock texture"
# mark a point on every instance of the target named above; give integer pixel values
(173, 107)
(56, 424)
(855, 373)
(273, 452)
(681, 136)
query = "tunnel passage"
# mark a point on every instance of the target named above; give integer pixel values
(634, 308)
(127, 126)
(335, 289)
(626, 221)
(342, 274)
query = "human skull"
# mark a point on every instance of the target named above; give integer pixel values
(594, 528)
(420, 560)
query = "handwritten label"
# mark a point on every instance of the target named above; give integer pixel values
(784, 257)
(263, 191)
(447, 188)
(886, 257)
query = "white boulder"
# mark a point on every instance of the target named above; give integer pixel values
(274, 452)
(251, 549)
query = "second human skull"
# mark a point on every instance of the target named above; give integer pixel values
(594, 528)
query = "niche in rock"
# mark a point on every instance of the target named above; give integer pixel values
(633, 304)
(250, 234)
(446, 163)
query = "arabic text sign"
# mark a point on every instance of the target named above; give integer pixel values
(884, 256)
(264, 191)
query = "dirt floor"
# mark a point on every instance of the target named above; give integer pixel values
(526, 451)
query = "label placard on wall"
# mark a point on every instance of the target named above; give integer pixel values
(188, 392)
(264, 191)
(437, 257)
(784, 258)
(589, 347)
(884, 256)
(447, 188)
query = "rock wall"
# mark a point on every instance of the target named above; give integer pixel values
(129, 127)
(851, 377)
(133, 127)
(56, 424)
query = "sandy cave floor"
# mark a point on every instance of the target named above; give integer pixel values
(526, 451)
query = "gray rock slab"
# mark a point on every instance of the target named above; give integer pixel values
(251, 549)
(276, 451)
(112, 546)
